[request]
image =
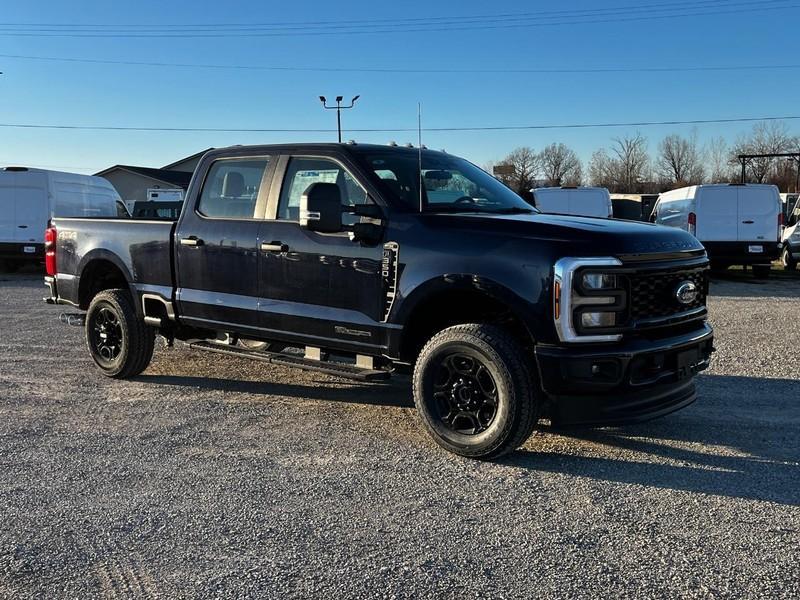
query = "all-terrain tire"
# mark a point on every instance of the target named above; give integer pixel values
(505, 362)
(111, 313)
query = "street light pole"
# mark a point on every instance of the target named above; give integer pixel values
(339, 108)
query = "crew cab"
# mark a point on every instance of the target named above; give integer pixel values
(366, 260)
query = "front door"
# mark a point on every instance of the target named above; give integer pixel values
(320, 285)
(218, 248)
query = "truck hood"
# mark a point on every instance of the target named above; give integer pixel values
(588, 235)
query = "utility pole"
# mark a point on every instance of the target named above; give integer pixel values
(339, 108)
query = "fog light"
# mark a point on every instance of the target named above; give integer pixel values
(598, 319)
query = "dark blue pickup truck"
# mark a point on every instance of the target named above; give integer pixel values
(362, 260)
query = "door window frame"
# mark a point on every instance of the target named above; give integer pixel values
(279, 180)
(264, 188)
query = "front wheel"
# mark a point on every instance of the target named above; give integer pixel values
(473, 391)
(119, 342)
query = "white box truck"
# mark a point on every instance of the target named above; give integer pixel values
(580, 201)
(739, 224)
(29, 198)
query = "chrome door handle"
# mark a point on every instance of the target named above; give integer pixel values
(274, 247)
(192, 240)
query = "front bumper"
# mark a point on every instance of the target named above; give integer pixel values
(620, 383)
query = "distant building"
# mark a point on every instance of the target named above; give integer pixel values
(132, 182)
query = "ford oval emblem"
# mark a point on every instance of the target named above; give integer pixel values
(686, 292)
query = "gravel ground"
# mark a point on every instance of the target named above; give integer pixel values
(217, 477)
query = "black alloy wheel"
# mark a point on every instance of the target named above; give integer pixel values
(105, 335)
(465, 393)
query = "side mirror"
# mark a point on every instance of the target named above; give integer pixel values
(321, 208)
(792, 221)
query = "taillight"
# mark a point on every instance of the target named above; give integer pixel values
(50, 237)
(692, 223)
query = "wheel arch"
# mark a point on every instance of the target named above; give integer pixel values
(101, 270)
(457, 299)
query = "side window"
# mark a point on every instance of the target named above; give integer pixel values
(231, 188)
(303, 172)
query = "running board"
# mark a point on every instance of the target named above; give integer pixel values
(291, 360)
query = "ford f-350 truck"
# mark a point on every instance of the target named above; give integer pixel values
(364, 259)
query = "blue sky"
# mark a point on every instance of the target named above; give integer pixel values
(41, 92)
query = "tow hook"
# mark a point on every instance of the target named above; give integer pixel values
(74, 319)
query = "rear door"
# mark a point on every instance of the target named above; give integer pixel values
(7, 206)
(758, 214)
(717, 214)
(30, 207)
(217, 245)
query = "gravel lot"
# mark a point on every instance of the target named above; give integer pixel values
(217, 477)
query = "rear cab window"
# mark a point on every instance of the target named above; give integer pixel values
(232, 187)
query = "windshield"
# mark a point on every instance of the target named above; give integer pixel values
(450, 184)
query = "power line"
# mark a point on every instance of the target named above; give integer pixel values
(395, 20)
(397, 129)
(394, 70)
(619, 17)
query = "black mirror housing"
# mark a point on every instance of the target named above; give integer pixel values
(321, 208)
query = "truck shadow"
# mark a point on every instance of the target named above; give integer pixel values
(396, 392)
(741, 439)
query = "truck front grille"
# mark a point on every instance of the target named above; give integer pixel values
(653, 294)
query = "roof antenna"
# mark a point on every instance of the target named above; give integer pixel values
(419, 147)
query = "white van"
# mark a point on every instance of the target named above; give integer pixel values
(31, 197)
(739, 224)
(581, 201)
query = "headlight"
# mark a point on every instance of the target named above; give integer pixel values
(590, 300)
(599, 281)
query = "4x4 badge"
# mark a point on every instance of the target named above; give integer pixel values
(686, 292)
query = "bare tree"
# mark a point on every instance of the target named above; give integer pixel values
(526, 167)
(625, 169)
(561, 166)
(602, 170)
(633, 160)
(765, 138)
(717, 155)
(679, 161)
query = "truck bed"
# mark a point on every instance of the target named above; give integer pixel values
(141, 250)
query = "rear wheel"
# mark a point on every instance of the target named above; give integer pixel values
(119, 342)
(789, 263)
(259, 346)
(473, 391)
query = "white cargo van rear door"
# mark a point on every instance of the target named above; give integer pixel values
(716, 212)
(758, 214)
(588, 203)
(31, 206)
(8, 221)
